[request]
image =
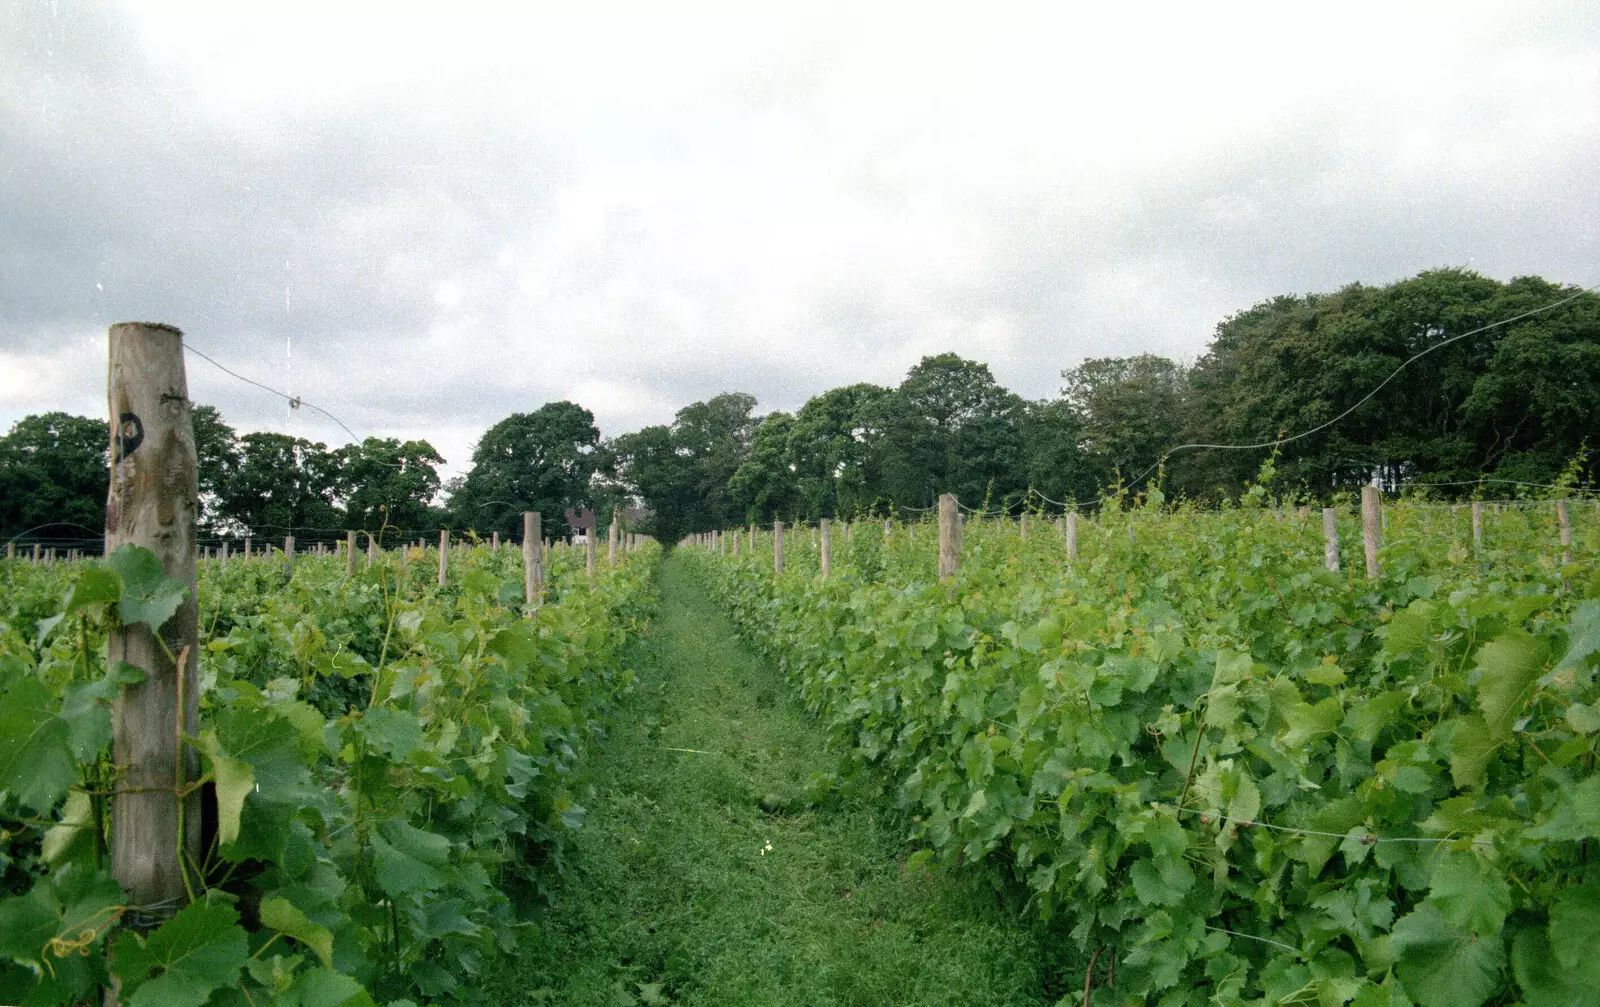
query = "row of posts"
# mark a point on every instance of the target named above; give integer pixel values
(950, 522)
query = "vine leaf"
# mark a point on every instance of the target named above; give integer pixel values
(196, 952)
(1468, 895)
(1575, 924)
(1509, 666)
(1441, 965)
(281, 915)
(1544, 980)
(148, 594)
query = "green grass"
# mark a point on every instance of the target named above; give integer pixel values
(673, 895)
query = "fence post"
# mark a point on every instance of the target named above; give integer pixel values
(1330, 539)
(224, 561)
(1022, 526)
(494, 541)
(152, 502)
(531, 572)
(590, 550)
(1477, 529)
(611, 536)
(1371, 528)
(825, 529)
(1566, 532)
(949, 536)
(288, 554)
(372, 548)
(777, 547)
(247, 547)
(349, 553)
(885, 527)
(444, 555)
(1072, 536)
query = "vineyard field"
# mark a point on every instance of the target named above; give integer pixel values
(1237, 776)
(390, 761)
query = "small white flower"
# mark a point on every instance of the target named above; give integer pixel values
(766, 848)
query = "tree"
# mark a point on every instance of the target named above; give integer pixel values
(830, 445)
(713, 437)
(1132, 410)
(540, 461)
(765, 487)
(217, 455)
(389, 482)
(53, 473)
(1052, 460)
(650, 466)
(284, 486)
(973, 438)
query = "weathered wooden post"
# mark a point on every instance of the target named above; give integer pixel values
(1371, 528)
(1565, 526)
(886, 527)
(444, 555)
(1477, 529)
(247, 547)
(152, 502)
(611, 539)
(1330, 539)
(752, 538)
(372, 548)
(349, 553)
(825, 529)
(224, 560)
(1022, 526)
(288, 555)
(949, 536)
(35, 559)
(532, 575)
(590, 550)
(1072, 537)
(494, 541)
(777, 547)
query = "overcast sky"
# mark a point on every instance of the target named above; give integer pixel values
(462, 211)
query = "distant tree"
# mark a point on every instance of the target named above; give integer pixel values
(712, 437)
(1132, 410)
(649, 464)
(218, 456)
(541, 461)
(1053, 462)
(830, 449)
(54, 472)
(765, 487)
(284, 485)
(972, 437)
(389, 482)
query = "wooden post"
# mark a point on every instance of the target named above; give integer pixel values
(494, 541)
(288, 554)
(152, 502)
(590, 550)
(1371, 528)
(1477, 528)
(444, 555)
(372, 548)
(35, 560)
(1330, 539)
(1566, 532)
(1022, 526)
(532, 576)
(611, 539)
(777, 547)
(224, 560)
(752, 538)
(1072, 537)
(885, 527)
(825, 529)
(349, 553)
(247, 547)
(949, 536)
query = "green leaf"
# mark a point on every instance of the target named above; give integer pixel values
(1583, 638)
(1547, 982)
(395, 732)
(281, 915)
(1443, 966)
(36, 761)
(96, 585)
(1469, 894)
(1575, 924)
(148, 594)
(323, 987)
(73, 838)
(1584, 719)
(408, 859)
(1576, 815)
(196, 952)
(1471, 748)
(1308, 721)
(1509, 667)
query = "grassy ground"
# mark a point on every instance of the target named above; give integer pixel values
(714, 877)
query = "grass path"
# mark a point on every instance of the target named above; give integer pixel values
(707, 877)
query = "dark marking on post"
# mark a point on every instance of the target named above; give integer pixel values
(130, 434)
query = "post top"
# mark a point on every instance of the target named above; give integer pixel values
(162, 326)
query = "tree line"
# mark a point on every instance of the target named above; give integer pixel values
(1518, 402)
